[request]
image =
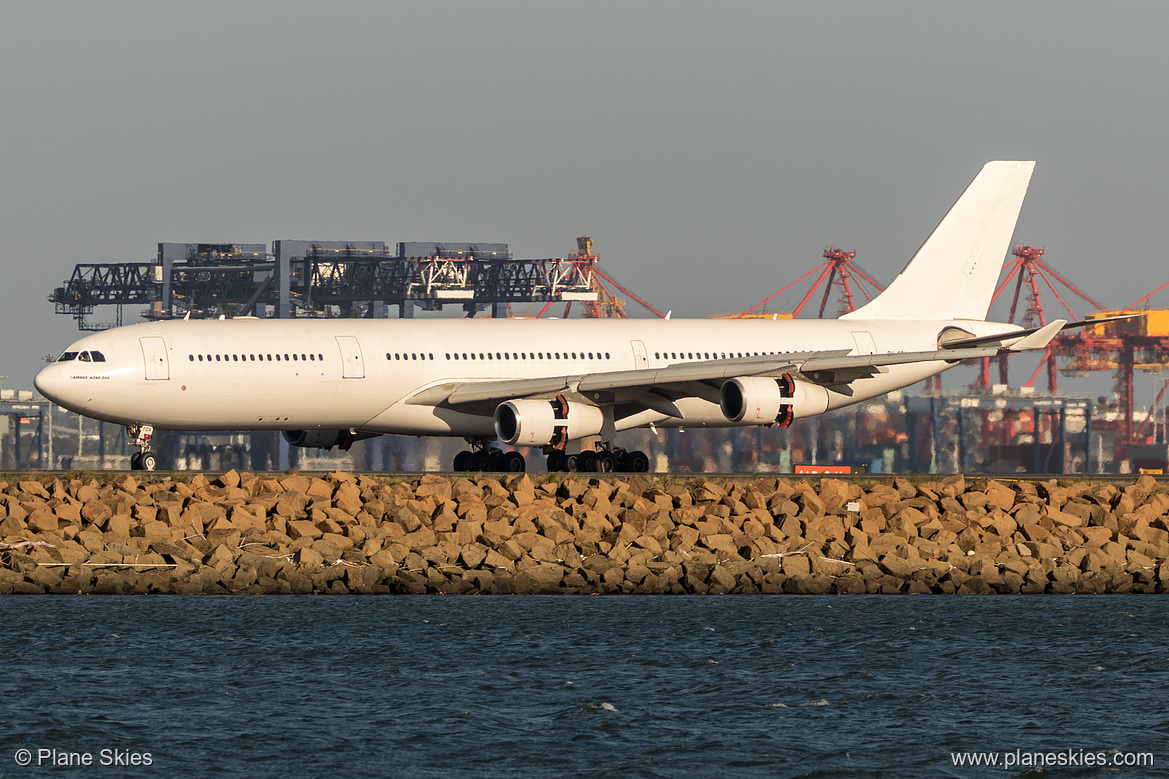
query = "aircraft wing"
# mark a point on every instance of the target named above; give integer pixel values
(831, 367)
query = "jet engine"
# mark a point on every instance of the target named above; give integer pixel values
(542, 422)
(324, 439)
(755, 400)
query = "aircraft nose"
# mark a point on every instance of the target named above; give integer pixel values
(49, 382)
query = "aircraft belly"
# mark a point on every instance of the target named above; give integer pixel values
(405, 419)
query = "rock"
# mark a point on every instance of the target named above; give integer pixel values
(307, 557)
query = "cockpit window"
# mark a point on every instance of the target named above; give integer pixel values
(67, 356)
(84, 356)
(98, 357)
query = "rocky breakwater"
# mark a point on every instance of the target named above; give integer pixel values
(247, 533)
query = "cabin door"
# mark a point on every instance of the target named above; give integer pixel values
(154, 355)
(864, 342)
(351, 364)
(640, 358)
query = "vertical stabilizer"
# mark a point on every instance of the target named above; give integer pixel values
(953, 274)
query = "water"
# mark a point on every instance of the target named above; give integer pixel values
(578, 686)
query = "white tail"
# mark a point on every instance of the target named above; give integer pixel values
(953, 274)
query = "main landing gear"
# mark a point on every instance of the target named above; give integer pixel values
(482, 457)
(607, 459)
(144, 460)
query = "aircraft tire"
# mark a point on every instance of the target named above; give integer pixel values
(512, 462)
(462, 461)
(586, 462)
(149, 461)
(136, 461)
(604, 462)
(636, 462)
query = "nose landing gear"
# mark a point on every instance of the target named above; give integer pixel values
(144, 460)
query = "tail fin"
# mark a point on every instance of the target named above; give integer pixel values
(953, 274)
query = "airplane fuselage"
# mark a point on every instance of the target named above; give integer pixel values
(251, 374)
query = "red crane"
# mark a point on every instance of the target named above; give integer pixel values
(1028, 272)
(838, 271)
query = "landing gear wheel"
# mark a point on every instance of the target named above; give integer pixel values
(557, 462)
(586, 462)
(512, 462)
(136, 461)
(480, 461)
(148, 462)
(572, 463)
(462, 461)
(636, 462)
(604, 462)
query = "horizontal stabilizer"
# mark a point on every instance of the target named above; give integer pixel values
(1040, 338)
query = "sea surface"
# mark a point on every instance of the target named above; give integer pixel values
(516, 686)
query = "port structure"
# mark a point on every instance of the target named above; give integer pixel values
(1031, 274)
(322, 279)
(584, 266)
(838, 272)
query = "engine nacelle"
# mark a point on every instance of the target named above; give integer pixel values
(751, 400)
(542, 422)
(755, 400)
(323, 439)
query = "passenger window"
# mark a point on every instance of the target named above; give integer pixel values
(606, 355)
(312, 357)
(286, 358)
(252, 357)
(191, 357)
(277, 358)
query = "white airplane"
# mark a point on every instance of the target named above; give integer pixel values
(550, 383)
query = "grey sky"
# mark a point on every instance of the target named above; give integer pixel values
(712, 151)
